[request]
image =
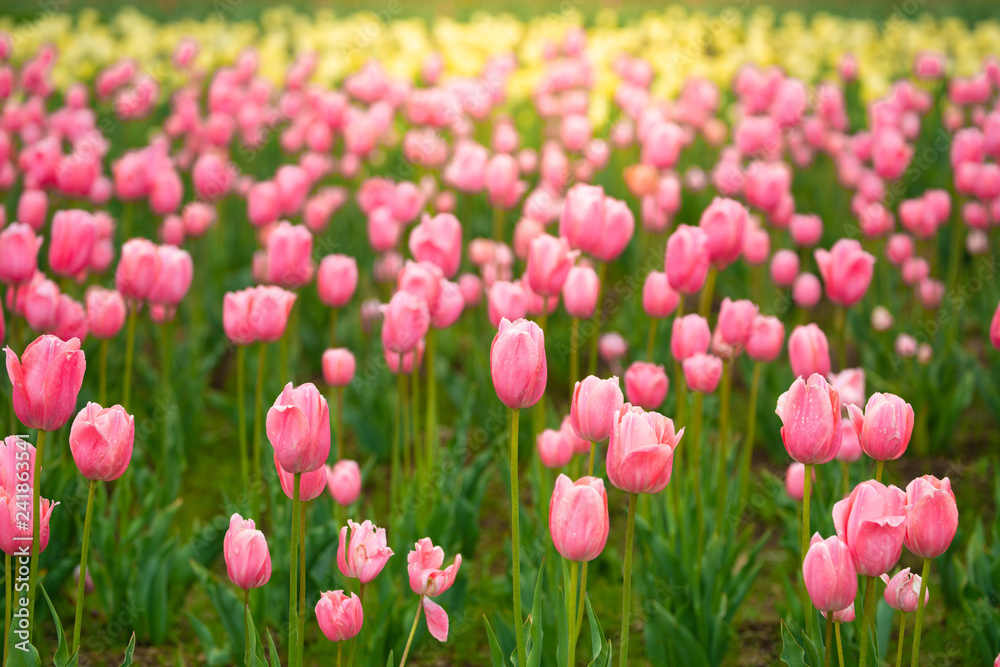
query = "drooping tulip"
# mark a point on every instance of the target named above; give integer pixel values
(517, 363)
(578, 518)
(641, 450)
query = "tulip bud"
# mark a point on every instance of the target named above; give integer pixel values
(338, 367)
(339, 616)
(101, 441)
(884, 428)
(554, 450)
(594, 407)
(646, 385)
(343, 481)
(702, 372)
(808, 351)
(931, 516)
(578, 518)
(641, 450)
(298, 426)
(829, 574)
(811, 422)
(248, 561)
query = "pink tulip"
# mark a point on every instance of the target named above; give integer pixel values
(311, 484)
(905, 345)
(293, 184)
(872, 521)
(15, 532)
(18, 253)
(423, 280)
(578, 518)
(806, 291)
(336, 280)
(554, 448)
(406, 322)
(850, 384)
(882, 319)
(612, 346)
(500, 178)
(402, 363)
(366, 554)
(339, 616)
(808, 351)
(594, 407)
(577, 444)
(138, 269)
(438, 240)
(46, 381)
(847, 271)
(736, 319)
(343, 481)
(767, 334)
(659, 299)
(174, 277)
(248, 561)
(74, 233)
(687, 259)
(899, 248)
(829, 573)
(383, 229)
(105, 312)
(428, 580)
(806, 230)
(811, 423)
(338, 367)
(646, 385)
(256, 314)
(885, 426)
(32, 208)
(549, 263)
(166, 190)
(931, 516)
(289, 255)
(850, 445)
(784, 267)
(506, 300)
(724, 222)
(580, 292)
(472, 289)
(702, 372)
(298, 426)
(71, 319)
(795, 479)
(902, 592)
(212, 177)
(101, 441)
(690, 336)
(890, 153)
(449, 306)
(517, 363)
(641, 450)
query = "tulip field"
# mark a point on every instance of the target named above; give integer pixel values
(540, 338)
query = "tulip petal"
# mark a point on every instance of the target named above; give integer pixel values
(437, 620)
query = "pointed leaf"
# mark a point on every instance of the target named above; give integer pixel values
(389, 663)
(496, 653)
(61, 657)
(535, 655)
(272, 651)
(129, 650)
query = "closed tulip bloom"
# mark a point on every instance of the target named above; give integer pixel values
(641, 450)
(263, 203)
(736, 320)
(847, 271)
(902, 592)
(46, 381)
(298, 426)
(338, 367)
(811, 423)
(806, 291)
(383, 229)
(582, 216)
(248, 561)
(580, 292)
(806, 230)
(690, 336)
(339, 616)
(578, 518)
(646, 385)
(882, 319)
(343, 481)
(809, 351)
(74, 233)
(702, 372)
(506, 300)
(472, 289)
(15, 532)
(767, 335)
(905, 345)
(289, 255)
(612, 346)
(32, 208)
(336, 280)
(795, 479)
(137, 269)
(18, 253)
(517, 363)
(931, 516)
(594, 407)
(850, 445)
(724, 222)
(174, 277)
(438, 240)
(687, 259)
(829, 573)
(403, 363)
(784, 267)
(618, 226)
(554, 449)
(659, 299)
(899, 248)
(406, 322)
(366, 554)
(71, 319)
(311, 484)
(101, 441)
(449, 305)
(885, 426)
(578, 444)
(423, 280)
(850, 384)
(872, 520)
(549, 262)
(256, 314)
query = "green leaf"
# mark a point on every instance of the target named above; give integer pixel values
(256, 648)
(62, 657)
(496, 653)
(21, 657)
(389, 663)
(678, 638)
(795, 654)
(600, 646)
(535, 652)
(562, 649)
(275, 656)
(129, 650)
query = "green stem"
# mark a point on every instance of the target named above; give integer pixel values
(651, 339)
(602, 269)
(36, 512)
(241, 417)
(879, 465)
(829, 639)
(302, 581)
(515, 532)
(902, 635)
(840, 321)
(293, 571)
(806, 491)
(419, 455)
(845, 472)
(627, 584)
(571, 592)
(340, 648)
(333, 327)
(80, 587)
(133, 314)
(338, 395)
(406, 440)
(866, 620)
(498, 217)
(413, 631)
(396, 441)
(354, 641)
(574, 353)
(721, 488)
(283, 376)
(707, 290)
(258, 421)
(751, 432)
(920, 612)
(590, 464)
(695, 475)
(103, 375)
(580, 604)
(840, 646)
(431, 425)
(246, 627)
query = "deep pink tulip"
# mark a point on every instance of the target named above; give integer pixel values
(702, 372)
(554, 448)
(101, 441)
(646, 385)
(298, 426)
(594, 407)
(549, 262)
(74, 233)
(885, 426)
(687, 259)
(931, 516)
(336, 280)
(847, 271)
(137, 269)
(767, 335)
(641, 450)
(338, 367)
(366, 554)
(406, 322)
(46, 381)
(736, 320)
(173, 280)
(438, 240)
(829, 573)
(809, 351)
(15, 533)
(690, 335)
(902, 592)
(248, 561)
(517, 363)
(724, 222)
(872, 521)
(311, 484)
(811, 423)
(784, 267)
(659, 299)
(340, 616)
(343, 481)
(289, 255)
(578, 518)
(18, 253)
(256, 314)
(580, 292)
